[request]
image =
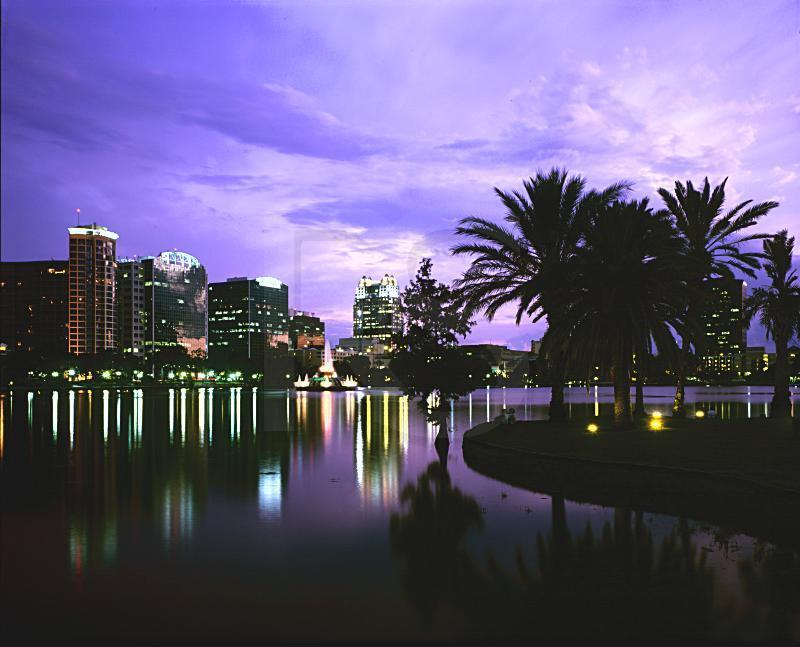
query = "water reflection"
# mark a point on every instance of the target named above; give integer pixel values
(622, 582)
(428, 539)
(290, 497)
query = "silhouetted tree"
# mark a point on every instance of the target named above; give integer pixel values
(531, 263)
(778, 309)
(428, 361)
(713, 242)
(626, 295)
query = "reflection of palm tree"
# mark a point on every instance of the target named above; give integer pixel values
(771, 585)
(428, 539)
(616, 584)
(620, 583)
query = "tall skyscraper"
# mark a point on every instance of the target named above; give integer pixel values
(177, 302)
(246, 317)
(131, 313)
(162, 303)
(305, 330)
(376, 309)
(92, 289)
(33, 316)
(725, 339)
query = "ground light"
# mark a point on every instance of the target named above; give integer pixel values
(699, 414)
(656, 423)
(592, 428)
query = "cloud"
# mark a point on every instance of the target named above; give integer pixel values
(365, 133)
(98, 105)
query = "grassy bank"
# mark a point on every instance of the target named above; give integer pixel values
(742, 474)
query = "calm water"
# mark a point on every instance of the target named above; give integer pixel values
(231, 513)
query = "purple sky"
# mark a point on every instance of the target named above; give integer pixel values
(319, 141)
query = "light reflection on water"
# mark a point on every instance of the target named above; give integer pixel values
(137, 490)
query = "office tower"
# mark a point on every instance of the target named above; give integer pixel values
(725, 339)
(376, 309)
(33, 317)
(246, 317)
(176, 302)
(131, 313)
(162, 303)
(92, 289)
(305, 330)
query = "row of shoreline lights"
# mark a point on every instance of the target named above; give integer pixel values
(656, 422)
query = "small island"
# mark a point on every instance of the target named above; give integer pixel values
(738, 473)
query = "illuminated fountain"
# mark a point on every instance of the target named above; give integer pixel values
(325, 378)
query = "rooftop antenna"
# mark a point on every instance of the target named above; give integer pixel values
(78, 215)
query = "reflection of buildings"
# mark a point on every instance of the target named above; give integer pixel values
(725, 337)
(92, 303)
(141, 463)
(247, 317)
(33, 316)
(376, 308)
(380, 446)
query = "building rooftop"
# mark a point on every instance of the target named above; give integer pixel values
(92, 230)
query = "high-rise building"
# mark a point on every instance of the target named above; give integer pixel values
(246, 317)
(131, 313)
(376, 309)
(177, 302)
(162, 303)
(92, 289)
(33, 317)
(305, 329)
(725, 339)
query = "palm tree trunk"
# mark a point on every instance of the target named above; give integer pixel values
(622, 398)
(679, 403)
(638, 409)
(557, 377)
(780, 397)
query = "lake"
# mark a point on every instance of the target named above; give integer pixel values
(232, 513)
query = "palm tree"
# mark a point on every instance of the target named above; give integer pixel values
(627, 295)
(529, 264)
(713, 247)
(778, 307)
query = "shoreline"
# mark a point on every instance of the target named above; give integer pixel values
(729, 498)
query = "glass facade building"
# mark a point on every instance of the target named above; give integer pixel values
(33, 316)
(177, 305)
(376, 309)
(92, 289)
(246, 317)
(162, 303)
(725, 338)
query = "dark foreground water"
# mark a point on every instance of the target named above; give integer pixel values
(231, 513)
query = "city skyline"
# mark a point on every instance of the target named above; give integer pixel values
(231, 132)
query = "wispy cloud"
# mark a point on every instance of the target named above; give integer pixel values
(319, 143)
